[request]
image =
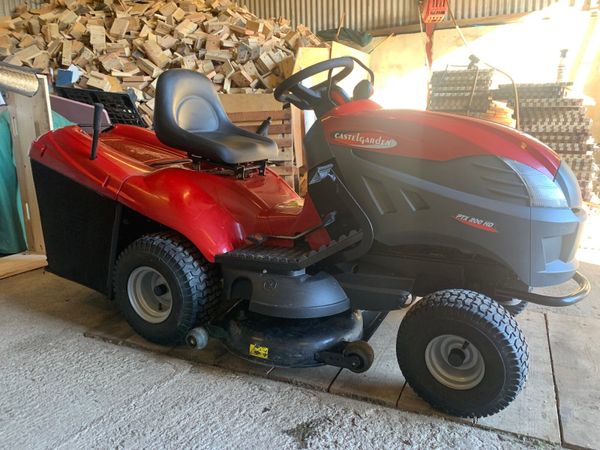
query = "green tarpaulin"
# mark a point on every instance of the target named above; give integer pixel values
(12, 235)
(346, 34)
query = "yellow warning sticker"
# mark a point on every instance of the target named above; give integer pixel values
(258, 351)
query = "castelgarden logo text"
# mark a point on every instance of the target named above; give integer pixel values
(364, 139)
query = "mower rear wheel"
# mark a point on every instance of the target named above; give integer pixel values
(165, 287)
(462, 353)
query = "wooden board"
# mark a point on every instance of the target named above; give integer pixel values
(533, 413)
(20, 263)
(576, 359)
(538, 398)
(307, 56)
(575, 356)
(358, 74)
(235, 103)
(258, 116)
(315, 377)
(30, 118)
(383, 382)
(298, 133)
(284, 128)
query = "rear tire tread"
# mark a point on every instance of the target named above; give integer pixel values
(198, 279)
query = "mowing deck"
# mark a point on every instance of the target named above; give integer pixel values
(558, 404)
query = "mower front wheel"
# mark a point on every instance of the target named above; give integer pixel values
(361, 354)
(462, 353)
(164, 287)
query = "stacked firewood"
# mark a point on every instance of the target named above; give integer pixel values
(121, 45)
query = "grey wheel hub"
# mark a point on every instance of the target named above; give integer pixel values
(454, 362)
(149, 294)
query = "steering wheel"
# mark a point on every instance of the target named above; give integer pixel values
(291, 89)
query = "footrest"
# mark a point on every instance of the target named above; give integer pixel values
(261, 256)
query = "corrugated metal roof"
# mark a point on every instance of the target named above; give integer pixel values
(373, 14)
(8, 6)
(360, 14)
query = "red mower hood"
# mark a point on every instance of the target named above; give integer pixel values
(434, 136)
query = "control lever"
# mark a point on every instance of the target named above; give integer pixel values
(263, 128)
(98, 108)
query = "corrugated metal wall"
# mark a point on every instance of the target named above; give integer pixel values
(360, 14)
(373, 14)
(8, 6)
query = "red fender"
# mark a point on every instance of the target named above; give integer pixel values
(190, 211)
(215, 212)
(67, 151)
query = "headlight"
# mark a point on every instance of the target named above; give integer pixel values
(567, 181)
(543, 191)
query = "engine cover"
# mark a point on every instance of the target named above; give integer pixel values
(294, 295)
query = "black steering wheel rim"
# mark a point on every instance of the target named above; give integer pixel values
(291, 89)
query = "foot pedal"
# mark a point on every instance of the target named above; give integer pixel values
(259, 256)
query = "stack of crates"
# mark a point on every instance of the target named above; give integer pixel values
(467, 92)
(561, 122)
(461, 91)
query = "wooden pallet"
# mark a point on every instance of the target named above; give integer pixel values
(248, 111)
(30, 117)
(280, 130)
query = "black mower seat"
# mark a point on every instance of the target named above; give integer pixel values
(189, 116)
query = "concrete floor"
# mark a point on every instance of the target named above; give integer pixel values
(59, 389)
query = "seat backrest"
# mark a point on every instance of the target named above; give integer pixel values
(186, 100)
(363, 90)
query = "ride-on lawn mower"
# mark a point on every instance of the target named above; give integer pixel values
(194, 236)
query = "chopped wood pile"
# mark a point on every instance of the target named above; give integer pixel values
(121, 45)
